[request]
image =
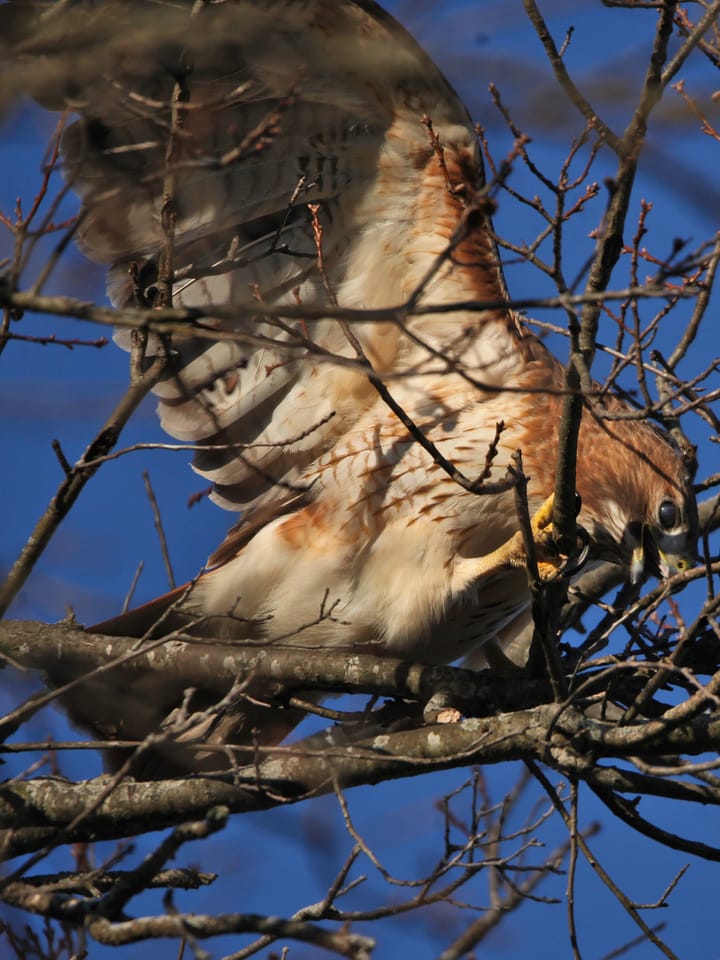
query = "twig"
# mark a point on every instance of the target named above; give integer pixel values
(572, 869)
(593, 861)
(181, 319)
(74, 483)
(694, 38)
(53, 340)
(563, 77)
(540, 613)
(584, 335)
(133, 585)
(157, 519)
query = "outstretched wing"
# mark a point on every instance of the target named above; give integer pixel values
(275, 153)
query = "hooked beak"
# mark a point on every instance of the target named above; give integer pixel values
(648, 557)
(637, 564)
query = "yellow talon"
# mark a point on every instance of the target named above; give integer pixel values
(543, 517)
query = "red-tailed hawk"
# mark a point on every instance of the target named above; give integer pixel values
(309, 155)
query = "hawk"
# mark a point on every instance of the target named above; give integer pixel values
(300, 174)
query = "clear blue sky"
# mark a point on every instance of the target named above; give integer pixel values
(52, 392)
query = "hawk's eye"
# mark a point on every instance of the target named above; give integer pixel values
(668, 514)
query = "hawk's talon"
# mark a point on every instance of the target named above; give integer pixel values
(560, 565)
(542, 518)
(577, 560)
(550, 562)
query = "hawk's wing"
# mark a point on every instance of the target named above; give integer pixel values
(282, 153)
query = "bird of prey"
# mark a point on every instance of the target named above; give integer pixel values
(302, 178)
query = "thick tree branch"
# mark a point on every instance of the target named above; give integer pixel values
(64, 651)
(32, 812)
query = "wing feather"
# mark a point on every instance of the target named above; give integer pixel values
(285, 104)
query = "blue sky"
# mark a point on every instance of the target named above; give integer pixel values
(277, 862)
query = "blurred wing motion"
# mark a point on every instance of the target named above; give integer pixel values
(270, 154)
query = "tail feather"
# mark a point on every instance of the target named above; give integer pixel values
(198, 728)
(155, 618)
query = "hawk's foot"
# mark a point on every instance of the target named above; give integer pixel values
(513, 554)
(550, 562)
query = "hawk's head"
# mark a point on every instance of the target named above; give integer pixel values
(638, 502)
(665, 543)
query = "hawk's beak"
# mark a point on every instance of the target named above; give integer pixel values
(637, 564)
(648, 557)
(671, 563)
